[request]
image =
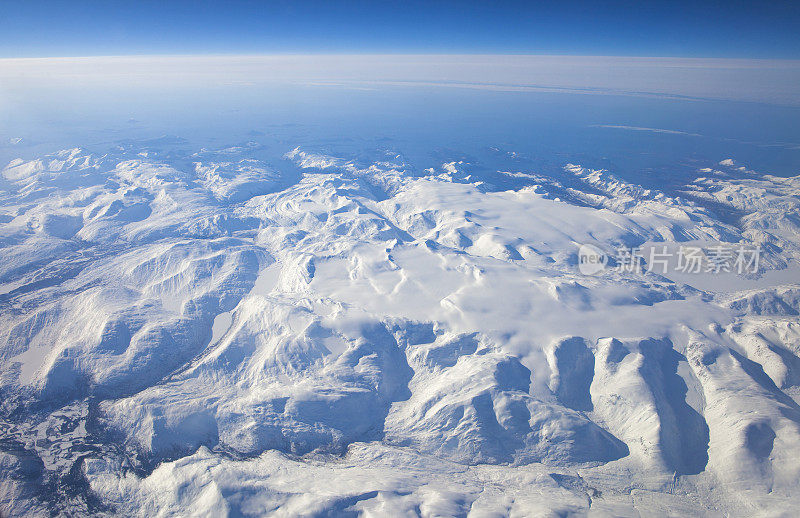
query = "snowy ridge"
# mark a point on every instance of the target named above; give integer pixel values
(674, 219)
(769, 206)
(424, 343)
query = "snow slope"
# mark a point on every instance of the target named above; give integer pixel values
(192, 332)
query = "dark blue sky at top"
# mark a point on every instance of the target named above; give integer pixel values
(764, 29)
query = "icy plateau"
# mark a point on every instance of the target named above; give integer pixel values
(197, 332)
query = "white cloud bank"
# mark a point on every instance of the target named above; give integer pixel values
(772, 81)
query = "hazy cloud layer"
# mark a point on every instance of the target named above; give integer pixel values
(770, 81)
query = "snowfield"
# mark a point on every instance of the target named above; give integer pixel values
(200, 334)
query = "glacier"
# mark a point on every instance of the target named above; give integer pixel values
(203, 331)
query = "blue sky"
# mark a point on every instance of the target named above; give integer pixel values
(766, 29)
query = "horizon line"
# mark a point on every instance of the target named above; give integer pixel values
(398, 54)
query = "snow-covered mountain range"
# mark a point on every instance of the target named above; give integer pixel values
(202, 331)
